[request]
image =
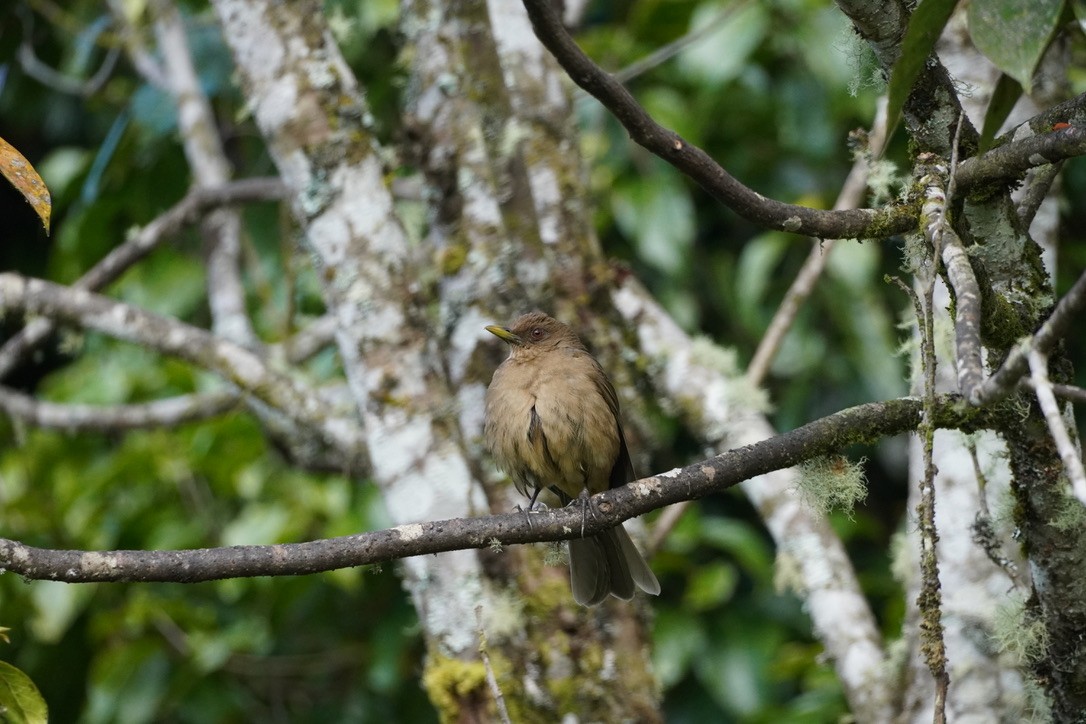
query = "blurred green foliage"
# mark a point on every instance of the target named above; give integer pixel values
(772, 91)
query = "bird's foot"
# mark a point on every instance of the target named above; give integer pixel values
(534, 506)
(585, 501)
(526, 512)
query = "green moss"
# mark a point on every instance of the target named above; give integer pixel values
(1020, 632)
(832, 483)
(1071, 517)
(452, 259)
(448, 682)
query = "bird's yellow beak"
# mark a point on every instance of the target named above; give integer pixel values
(504, 334)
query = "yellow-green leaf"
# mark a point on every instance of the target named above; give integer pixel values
(20, 700)
(26, 181)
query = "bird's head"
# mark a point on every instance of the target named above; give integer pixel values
(535, 332)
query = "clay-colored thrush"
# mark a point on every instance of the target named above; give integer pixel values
(552, 422)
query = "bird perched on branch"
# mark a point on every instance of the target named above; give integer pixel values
(552, 422)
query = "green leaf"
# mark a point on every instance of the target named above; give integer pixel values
(711, 586)
(723, 52)
(678, 639)
(759, 264)
(658, 215)
(20, 700)
(925, 26)
(1014, 34)
(1005, 94)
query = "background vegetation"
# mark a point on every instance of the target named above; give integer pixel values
(772, 90)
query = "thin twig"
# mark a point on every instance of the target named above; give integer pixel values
(46, 75)
(1064, 392)
(491, 679)
(666, 52)
(1072, 463)
(850, 197)
(984, 535)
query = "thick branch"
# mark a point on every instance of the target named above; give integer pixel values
(865, 423)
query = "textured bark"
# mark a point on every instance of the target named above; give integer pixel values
(985, 580)
(508, 232)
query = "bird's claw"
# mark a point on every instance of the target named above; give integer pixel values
(585, 499)
(534, 506)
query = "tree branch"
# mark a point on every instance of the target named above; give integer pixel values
(1069, 455)
(169, 336)
(186, 211)
(1005, 162)
(207, 160)
(1014, 158)
(850, 197)
(159, 413)
(700, 382)
(864, 423)
(1003, 381)
(948, 247)
(697, 164)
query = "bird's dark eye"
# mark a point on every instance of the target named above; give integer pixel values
(537, 333)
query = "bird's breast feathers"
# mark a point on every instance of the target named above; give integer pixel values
(552, 427)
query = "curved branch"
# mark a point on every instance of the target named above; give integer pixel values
(1003, 163)
(234, 363)
(868, 422)
(697, 164)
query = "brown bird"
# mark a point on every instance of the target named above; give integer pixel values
(552, 422)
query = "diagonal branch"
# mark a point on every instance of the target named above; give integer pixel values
(1003, 381)
(1069, 454)
(232, 362)
(719, 406)
(1013, 159)
(851, 195)
(1004, 162)
(868, 422)
(697, 164)
(186, 211)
